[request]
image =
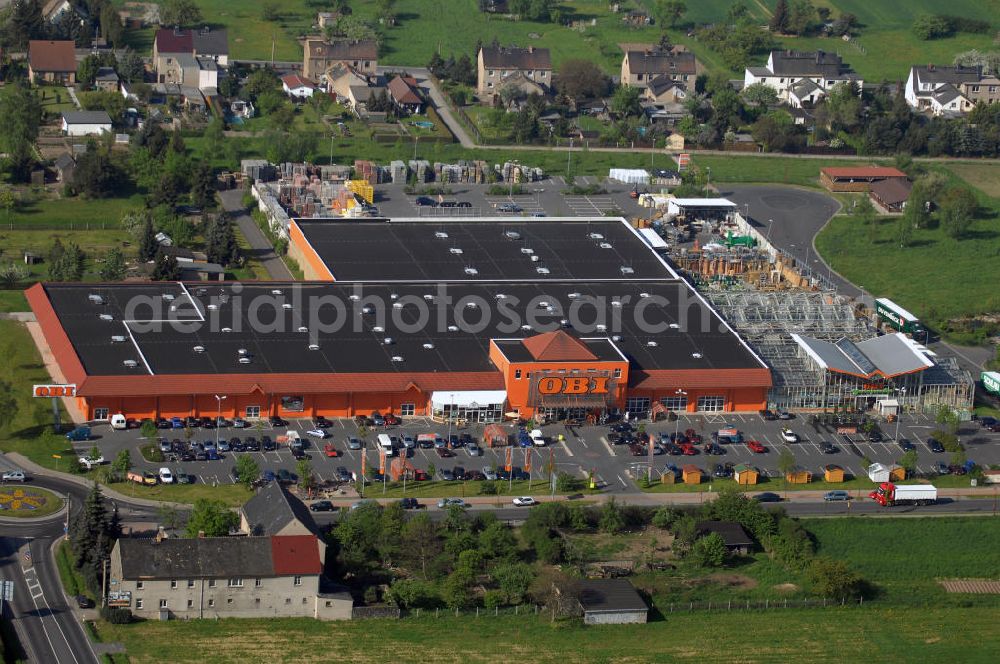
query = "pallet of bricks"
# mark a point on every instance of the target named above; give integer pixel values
(370, 172)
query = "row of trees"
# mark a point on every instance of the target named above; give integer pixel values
(23, 21)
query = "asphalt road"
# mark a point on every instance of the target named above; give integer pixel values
(232, 201)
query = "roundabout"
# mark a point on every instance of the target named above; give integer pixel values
(27, 502)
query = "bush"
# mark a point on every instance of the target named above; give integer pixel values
(566, 483)
(833, 578)
(710, 551)
(492, 599)
(928, 26)
(412, 594)
(116, 615)
(489, 488)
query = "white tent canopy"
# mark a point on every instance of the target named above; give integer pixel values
(466, 399)
(629, 175)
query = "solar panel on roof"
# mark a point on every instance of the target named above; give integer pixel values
(848, 348)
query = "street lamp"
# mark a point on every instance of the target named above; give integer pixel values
(899, 410)
(219, 400)
(677, 423)
(451, 416)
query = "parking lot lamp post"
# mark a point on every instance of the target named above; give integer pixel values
(218, 400)
(451, 416)
(899, 410)
(677, 422)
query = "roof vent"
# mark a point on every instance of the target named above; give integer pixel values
(303, 329)
(130, 364)
(227, 329)
(604, 245)
(627, 270)
(535, 258)
(201, 291)
(644, 295)
(397, 358)
(106, 317)
(512, 235)
(453, 328)
(117, 338)
(388, 341)
(354, 298)
(544, 305)
(276, 292)
(95, 299)
(243, 351)
(397, 305)
(542, 270)
(286, 306)
(393, 296)
(441, 235)
(564, 322)
(168, 297)
(527, 250)
(471, 271)
(244, 360)
(526, 328)
(199, 349)
(456, 251)
(616, 303)
(616, 337)
(697, 356)
(378, 328)
(368, 309)
(428, 297)
(596, 236)
(573, 296)
(501, 296)
(675, 326)
(428, 346)
(601, 328)
(652, 344)
(212, 307)
(471, 305)
(313, 346)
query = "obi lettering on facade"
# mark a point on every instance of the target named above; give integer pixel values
(54, 391)
(573, 385)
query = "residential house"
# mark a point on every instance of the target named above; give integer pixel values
(801, 78)
(275, 511)
(733, 536)
(188, 70)
(664, 90)
(297, 87)
(949, 90)
(637, 19)
(405, 94)
(496, 65)
(171, 45)
(641, 67)
(319, 55)
(324, 19)
(54, 9)
(106, 79)
(85, 123)
(890, 195)
(341, 77)
(64, 166)
(52, 61)
(358, 97)
(611, 602)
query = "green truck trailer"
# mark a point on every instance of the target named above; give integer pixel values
(898, 318)
(991, 382)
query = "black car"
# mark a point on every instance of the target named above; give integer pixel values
(201, 456)
(875, 436)
(721, 470)
(906, 445)
(267, 444)
(447, 204)
(164, 424)
(463, 204)
(454, 442)
(187, 456)
(321, 506)
(425, 201)
(298, 453)
(409, 503)
(621, 427)
(322, 423)
(715, 449)
(827, 447)
(988, 422)
(767, 497)
(343, 475)
(192, 422)
(473, 476)
(465, 439)
(276, 421)
(935, 445)
(768, 415)
(458, 472)
(444, 452)
(251, 445)
(84, 602)
(207, 423)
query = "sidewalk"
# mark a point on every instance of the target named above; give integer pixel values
(71, 406)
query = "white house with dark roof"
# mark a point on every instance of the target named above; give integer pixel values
(951, 90)
(801, 78)
(85, 123)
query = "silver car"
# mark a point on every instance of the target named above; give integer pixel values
(354, 443)
(451, 502)
(489, 473)
(836, 495)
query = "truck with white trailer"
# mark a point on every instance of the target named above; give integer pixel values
(991, 382)
(899, 318)
(888, 494)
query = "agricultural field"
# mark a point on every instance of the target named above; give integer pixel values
(831, 635)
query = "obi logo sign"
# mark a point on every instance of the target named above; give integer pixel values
(573, 385)
(54, 391)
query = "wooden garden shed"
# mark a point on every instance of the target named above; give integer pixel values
(833, 473)
(744, 474)
(668, 476)
(798, 476)
(692, 474)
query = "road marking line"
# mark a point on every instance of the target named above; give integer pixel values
(566, 447)
(622, 481)
(611, 450)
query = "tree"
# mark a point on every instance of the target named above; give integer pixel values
(957, 207)
(904, 231)
(710, 551)
(780, 17)
(738, 12)
(96, 175)
(181, 13)
(11, 274)
(148, 429)
(247, 470)
(166, 268)
(909, 462)
(669, 12)
(305, 472)
(203, 185)
(211, 518)
(497, 542)
(270, 12)
(625, 101)
(582, 79)
(801, 17)
(760, 94)
(611, 520)
(25, 22)
(947, 418)
(122, 463)
(513, 580)
(928, 26)
(22, 114)
(786, 464)
(423, 545)
(834, 579)
(92, 535)
(111, 25)
(67, 264)
(147, 244)
(113, 268)
(455, 589)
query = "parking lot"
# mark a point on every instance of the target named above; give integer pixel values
(582, 450)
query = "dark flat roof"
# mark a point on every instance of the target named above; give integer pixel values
(411, 250)
(684, 333)
(610, 595)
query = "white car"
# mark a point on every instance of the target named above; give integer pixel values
(14, 476)
(525, 501)
(91, 462)
(317, 433)
(166, 477)
(789, 436)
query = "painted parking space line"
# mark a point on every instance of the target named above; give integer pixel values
(565, 446)
(608, 446)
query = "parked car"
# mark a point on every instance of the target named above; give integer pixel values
(377, 419)
(176, 423)
(463, 204)
(940, 468)
(509, 207)
(687, 449)
(14, 476)
(183, 478)
(267, 444)
(444, 452)
(473, 476)
(524, 501)
(409, 442)
(166, 447)
(489, 473)
(222, 423)
(409, 503)
(391, 420)
(166, 477)
(91, 462)
(446, 475)
(342, 474)
(150, 478)
(768, 415)
(789, 436)
(192, 422)
(987, 422)
(330, 451)
(935, 445)
(79, 434)
(836, 495)
(874, 436)
(451, 502)
(285, 476)
(83, 602)
(723, 470)
(756, 447)
(906, 445)
(321, 506)
(317, 433)
(826, 447)
(767, 497)
(268, 476)
(362, 421)
(276, 421)
(354, 443)
(424, 201)
(474, 450)
(714, 449)
(784, 415)
(240, 423)
(321, 422)
(164, 423)
(420, 475)
(207, 423)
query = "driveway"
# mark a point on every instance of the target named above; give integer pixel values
(260, 246)
(438, 101)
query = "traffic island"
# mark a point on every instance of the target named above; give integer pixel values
(26, 502)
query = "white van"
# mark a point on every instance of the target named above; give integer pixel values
(385, 443)
(119, 422)
(537, 437)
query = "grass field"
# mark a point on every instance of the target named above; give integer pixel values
(95, 244)
(231, 494)
(70, 213)
(71, 578)
(985, 177)
(831, 635)
(441, 489)
(13, 300)
(905, 556)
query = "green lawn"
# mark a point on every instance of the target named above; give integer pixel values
(905, 556)
(70, 213)
(441, 489)
(231, 494)
(95, 244)
(12, 300)
(832, 635)
(780, 170)
(71, 578)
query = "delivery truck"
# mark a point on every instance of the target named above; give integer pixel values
(888, 494)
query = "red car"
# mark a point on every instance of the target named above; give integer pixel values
(756, 447)
(391, 420)
(688, 449)
(420, 475)
(330, 450)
